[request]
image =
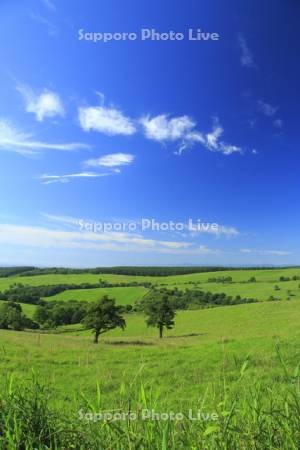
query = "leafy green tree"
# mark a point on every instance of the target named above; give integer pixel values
(103, 316)
(160, 314)
(41, 314)
(11, 316)
(252, 280)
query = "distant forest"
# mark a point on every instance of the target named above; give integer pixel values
(158, 271)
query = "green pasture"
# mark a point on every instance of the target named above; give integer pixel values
(122, 295)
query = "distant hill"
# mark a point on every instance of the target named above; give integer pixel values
(158, 271)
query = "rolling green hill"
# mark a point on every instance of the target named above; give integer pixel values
(122, 295)
(188, 360)
(271, 275)
(260, 290)
(240, 362)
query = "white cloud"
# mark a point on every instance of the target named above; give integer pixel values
(196, 136)
(198, 250)
(11, 139)
(227, 231)
(44, 104)
(265, 252)
(182, 129)
(220, 230)
(49, 179)
(107, 120)
(212, 140)
(267, 109)
(43, 237)
(247, 59)
(161, 128)
(112, 160)
(228, 149)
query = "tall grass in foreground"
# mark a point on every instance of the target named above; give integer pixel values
(252, 416)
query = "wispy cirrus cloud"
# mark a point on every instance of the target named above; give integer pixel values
(183, 129)
(214, 143)
(222, 230)
(190, 232)
(45, 237)
(64, 220)
(265, 252)
(111, 160)
(14, 140)
(49, 179)
(246, 59)
(43, 104)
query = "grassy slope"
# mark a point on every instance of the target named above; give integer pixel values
(230, 322)
(180, 367)
(123, 296)
(260, 290)
(242, 275)
(201, 357)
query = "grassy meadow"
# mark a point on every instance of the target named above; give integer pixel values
(271, 275)
(122, 295)
(238, 362)
(261, 290)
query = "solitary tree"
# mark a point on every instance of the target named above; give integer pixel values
(103, 316)
(252, 280)
(160, 314)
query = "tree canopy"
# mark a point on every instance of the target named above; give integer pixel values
(160, 313)
(11, 317)
(104, 316)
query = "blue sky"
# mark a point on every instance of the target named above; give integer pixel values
(121, 131)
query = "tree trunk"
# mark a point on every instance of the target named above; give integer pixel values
(161, 331)
(96, 339)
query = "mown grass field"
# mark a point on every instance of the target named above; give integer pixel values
(241, 362)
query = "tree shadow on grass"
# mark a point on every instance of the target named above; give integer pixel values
(128, 343)
(185, 335)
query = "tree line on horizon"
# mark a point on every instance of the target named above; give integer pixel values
(157, 271)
